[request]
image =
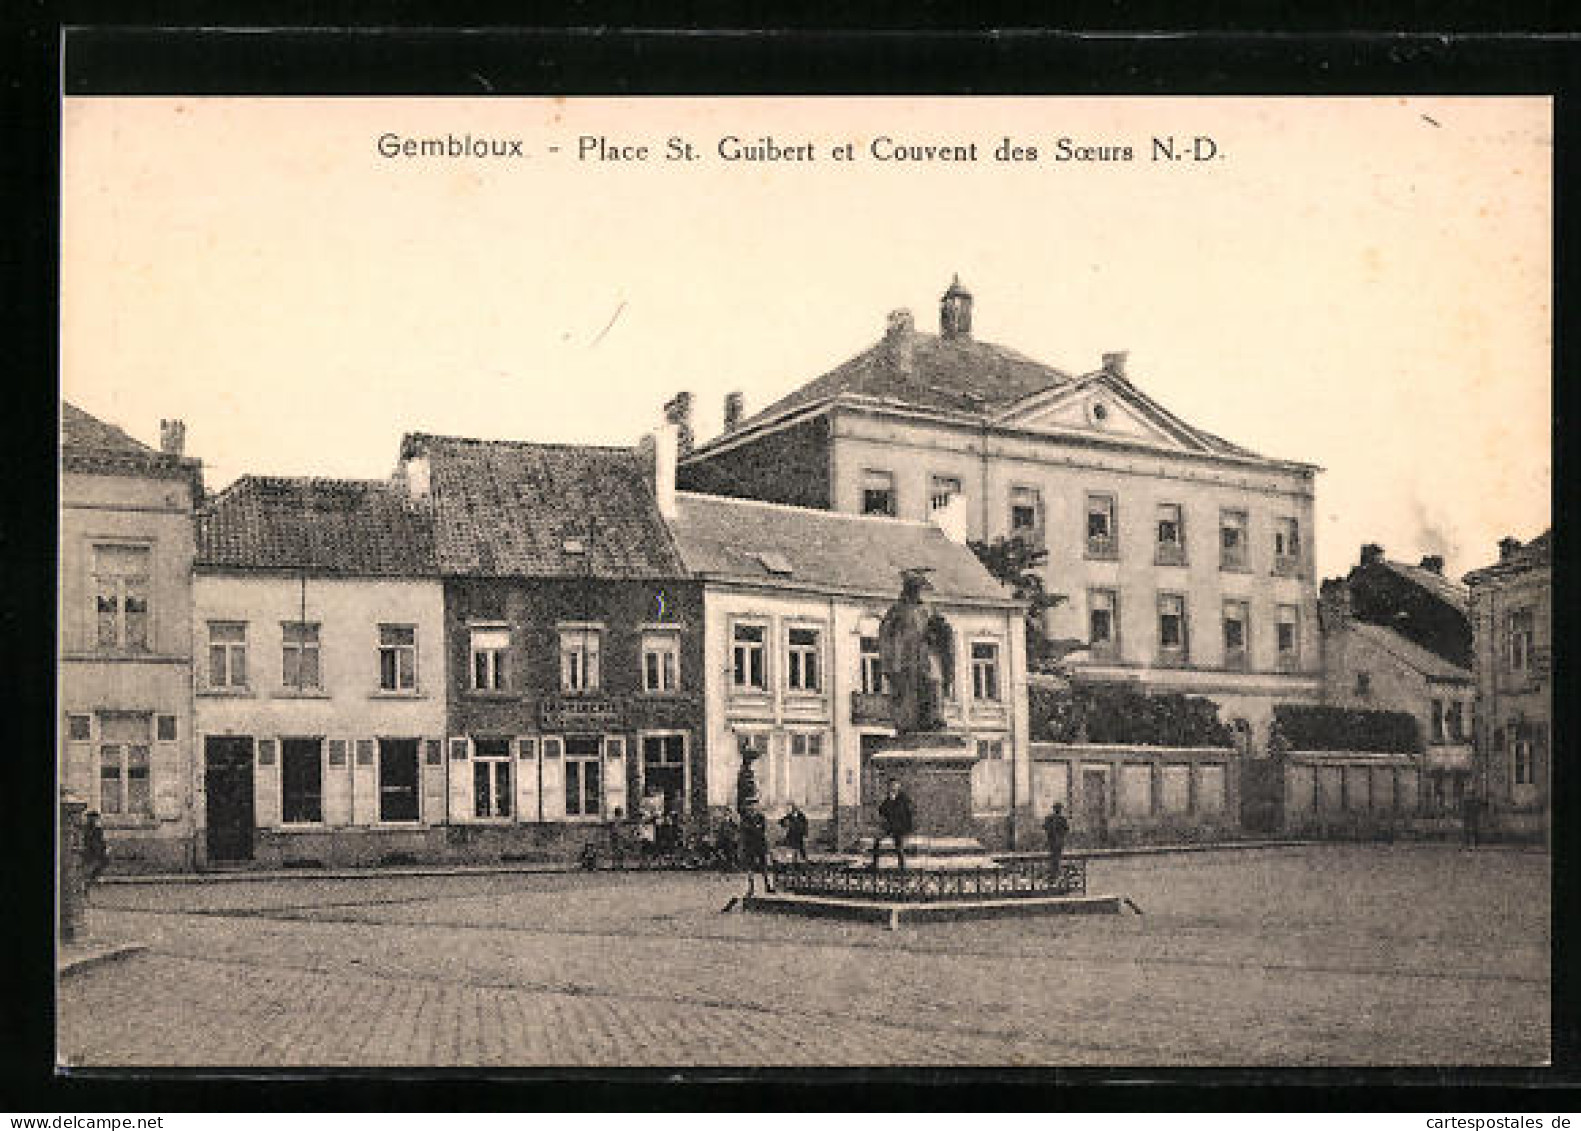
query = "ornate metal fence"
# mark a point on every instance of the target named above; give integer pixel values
(1017, 879)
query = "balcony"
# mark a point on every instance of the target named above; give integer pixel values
(870, 707)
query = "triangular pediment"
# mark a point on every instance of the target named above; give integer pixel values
(1104, 406)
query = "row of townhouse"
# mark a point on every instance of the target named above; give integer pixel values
(488, 656)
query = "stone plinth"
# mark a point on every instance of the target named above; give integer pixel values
(935, 770)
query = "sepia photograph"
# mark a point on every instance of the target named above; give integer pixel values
(804, 582)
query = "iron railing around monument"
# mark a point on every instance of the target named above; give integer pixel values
(1011, 880)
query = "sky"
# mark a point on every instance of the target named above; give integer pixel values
(1363, 284)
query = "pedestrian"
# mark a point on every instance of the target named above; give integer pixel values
(1470, 819)
(617, 839)
(95, 854)
(896, 814)
(795, 825)
(727, 841)
(755, 848)
(1055, 826)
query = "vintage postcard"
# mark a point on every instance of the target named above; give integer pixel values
(722, 583)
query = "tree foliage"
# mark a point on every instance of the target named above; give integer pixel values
(1015, 562)
(1302, 726)
(1117, 714)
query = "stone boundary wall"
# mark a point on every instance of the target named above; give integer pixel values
(1126, 794)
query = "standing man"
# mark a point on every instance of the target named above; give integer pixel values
(1055, 826)
(795, 825)
(95, 854)
(896, 814)
(755, 845)
(1470, 818)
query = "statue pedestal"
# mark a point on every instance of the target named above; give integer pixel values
(935, 770)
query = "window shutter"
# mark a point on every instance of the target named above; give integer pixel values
(527, 780)
(553, 779)
(433, 774)
(460, 780)
(78, 772)
(364, 782)
(166, 771)
(614, 775)
(337, 784)
(266, 785)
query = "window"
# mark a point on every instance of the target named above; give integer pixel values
(299, 655)
(872, 674)
(941, 489)
(806, 744)
(1102, 619)
(397, 778)
(579, 665)
(491, 777)
(747, 658)
(1172, 623)
(583, 776)
(1101, 540)
(1363, 684)
(1287, 634)
(1026, 515)
(123, 765)
(991, 749)
(1235, 633)
(397, 657)
(301, 781)
(1438, 720)
(661, 662)
(1287, 546)
(1520, 633)
(1171, 535)
(878, 493)
(1232, 539)
(165, 728)
(79, 728)
(664, 769)
(489, 649)
(1522, 771)
(801, 672)
(985, 671)
(227, 654)
(1454, 721)
(120, 594)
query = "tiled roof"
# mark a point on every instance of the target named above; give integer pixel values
(81, 432)
(514, 509)
(355, 527)
(1534, 554)
(1435, 583)
(1428, 663)
(957, 374)
(745, 540)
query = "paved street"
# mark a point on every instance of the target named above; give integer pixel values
(1330, 955)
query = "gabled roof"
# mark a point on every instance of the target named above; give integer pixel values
(956, 374)
(81, 432)
(353, 527)
(514, 509)
(1435, 583)
(88, 444)
(1430, 664)
(749, 541)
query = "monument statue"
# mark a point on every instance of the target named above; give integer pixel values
(917, 649)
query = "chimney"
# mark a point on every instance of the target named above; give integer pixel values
(735, 409)
(1371, 554)
(900, 322)
(955, 312)
(665, 449)
(951, 518)
(678, 411)
(1508, 547)
(172, 437)
(1433, 563)
(1114, 363)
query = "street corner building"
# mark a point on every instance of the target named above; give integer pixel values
(319, 691)
(791, 670)
(1181, 562)
(1512, 623)
(572, 639)
(124, 623)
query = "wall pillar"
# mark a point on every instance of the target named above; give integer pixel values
(72, 893)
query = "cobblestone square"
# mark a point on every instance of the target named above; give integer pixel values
(1332, 955)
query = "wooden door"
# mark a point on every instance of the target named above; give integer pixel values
(228, 785)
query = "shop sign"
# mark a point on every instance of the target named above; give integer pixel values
(579, 715)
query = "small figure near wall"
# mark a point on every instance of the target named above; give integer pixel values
(795, 824)
(1055, 827)
(95, 854)
(899, 819)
